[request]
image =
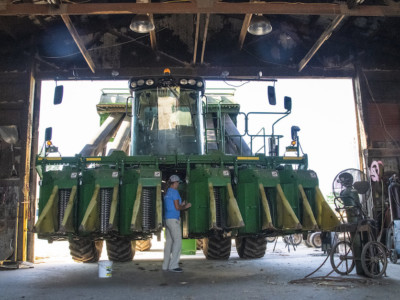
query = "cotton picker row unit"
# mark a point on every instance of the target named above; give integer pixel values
(168, 125)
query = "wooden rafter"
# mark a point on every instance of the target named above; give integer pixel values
(204, 38)
(322, 39)
(245, 26)
(196, 39)
(243, 31)
(79, 42)
(153, 40)
(271, 8)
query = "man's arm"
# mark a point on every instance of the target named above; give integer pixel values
(182, 206)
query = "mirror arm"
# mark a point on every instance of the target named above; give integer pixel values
(273, 125)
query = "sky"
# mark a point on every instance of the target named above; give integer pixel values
(322, 108)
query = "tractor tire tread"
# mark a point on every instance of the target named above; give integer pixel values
(217, 248)
(120, 250)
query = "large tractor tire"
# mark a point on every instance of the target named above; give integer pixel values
(143, 245)
(217, 247)
(120, 250)
(248, 247)
(85, 250)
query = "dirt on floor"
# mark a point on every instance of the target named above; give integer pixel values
(279, 274)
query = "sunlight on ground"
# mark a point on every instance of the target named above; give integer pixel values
(59, 252)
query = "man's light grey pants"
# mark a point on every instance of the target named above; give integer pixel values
(173, 244)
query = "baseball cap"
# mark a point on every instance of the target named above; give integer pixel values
(174, 178)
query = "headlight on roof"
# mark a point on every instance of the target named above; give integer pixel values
(140, 82)
(149, 82)
(183, 81)
(133, 84)
(192, 81)
(199, 83)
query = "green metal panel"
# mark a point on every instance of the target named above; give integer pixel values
(130, 180)
(290, 180)
(197, 192)
(249, 200)
(104, 176)
(198, 195)
(64, 179)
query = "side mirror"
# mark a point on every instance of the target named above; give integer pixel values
(294, 131)
(288, 103)
(48, 134)
(58, 94)
(271, 95)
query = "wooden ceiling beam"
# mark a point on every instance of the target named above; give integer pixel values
(205, 38)
(79, 42)
(153, 39)
(243, 31)
(322, 39)
(268, 8)
(245, 26)
(196, 38)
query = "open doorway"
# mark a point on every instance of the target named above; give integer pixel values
(323, 110)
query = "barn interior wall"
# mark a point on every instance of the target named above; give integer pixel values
(380, 93)
(16, 104)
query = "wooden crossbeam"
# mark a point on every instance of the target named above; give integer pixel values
(392, 9)
(205, 38)
(322, 39)
(243, 31)
(196, 39)
(153, 40)
(78, 41)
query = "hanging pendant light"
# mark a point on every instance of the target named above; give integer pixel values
(259, 25)
(141, 24)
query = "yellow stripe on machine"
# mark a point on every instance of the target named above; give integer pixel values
(49, 158)
(293, 158)
(93, 159)
(248, 158)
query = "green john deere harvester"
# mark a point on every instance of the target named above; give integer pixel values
(167, 125)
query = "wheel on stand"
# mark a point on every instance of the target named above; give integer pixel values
(342, 258)
(297, 238)
(286, 239)
(316, 240)
(373, 259)
(271, 239)
(293, 239)
(307, 241)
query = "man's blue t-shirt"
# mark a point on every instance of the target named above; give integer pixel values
(170, 210)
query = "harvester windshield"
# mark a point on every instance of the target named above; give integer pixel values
(166, 121)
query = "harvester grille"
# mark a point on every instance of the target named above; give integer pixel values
(148, 194)
(220, 210)
(63, 197)
(105, 204)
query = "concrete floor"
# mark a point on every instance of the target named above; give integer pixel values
(55, 276)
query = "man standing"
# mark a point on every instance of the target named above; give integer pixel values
(173, 204)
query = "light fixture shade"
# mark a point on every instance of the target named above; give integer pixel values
(259, 25)
(141, 24)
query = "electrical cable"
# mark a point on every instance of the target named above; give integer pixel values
(101, 47)
(236, 86)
